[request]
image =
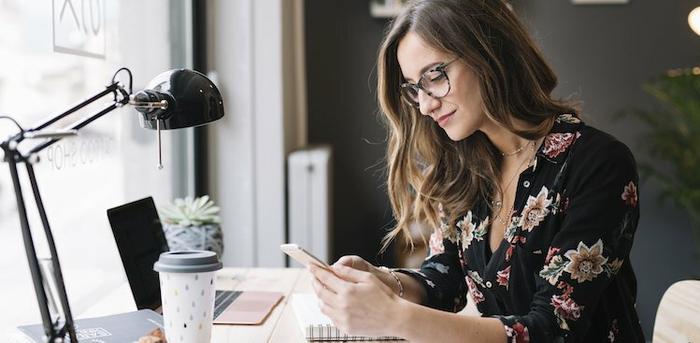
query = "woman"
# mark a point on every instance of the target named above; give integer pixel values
(534, 211)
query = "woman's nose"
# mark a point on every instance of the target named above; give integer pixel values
(427, 104)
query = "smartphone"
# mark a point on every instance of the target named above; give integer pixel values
(302, 256)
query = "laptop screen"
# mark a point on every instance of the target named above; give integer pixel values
(140, 241)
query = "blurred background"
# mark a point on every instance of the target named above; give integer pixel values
(299, 155)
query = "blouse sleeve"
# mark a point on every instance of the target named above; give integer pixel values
(595, 239)
(441, 273)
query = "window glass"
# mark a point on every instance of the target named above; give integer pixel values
(55, 54)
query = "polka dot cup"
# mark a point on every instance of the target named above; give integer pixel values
(187, 287)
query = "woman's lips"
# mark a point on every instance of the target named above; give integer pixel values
(442, 120)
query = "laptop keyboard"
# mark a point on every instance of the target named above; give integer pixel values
(223, 300)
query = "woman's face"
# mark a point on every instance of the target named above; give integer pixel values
(459, 112)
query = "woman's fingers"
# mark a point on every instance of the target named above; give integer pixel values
(351, 274)
(324, 294)
(353, 261)
(345, 261)
(327, 278)
(319, 287)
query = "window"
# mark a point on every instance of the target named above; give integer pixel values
(58, 53)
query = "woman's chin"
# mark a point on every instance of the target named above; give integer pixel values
(458, 135)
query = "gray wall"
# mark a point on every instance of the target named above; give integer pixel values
(341, 44)
(602, 54)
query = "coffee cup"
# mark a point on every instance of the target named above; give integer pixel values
(187, 287)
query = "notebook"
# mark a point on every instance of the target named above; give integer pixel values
(118, 328)
(317, 327)
(140, 240)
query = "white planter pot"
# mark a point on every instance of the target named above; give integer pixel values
(206, 237)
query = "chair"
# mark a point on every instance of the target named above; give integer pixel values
(678, 316)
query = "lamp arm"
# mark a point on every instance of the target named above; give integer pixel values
(57, 273)
(30, 250)
(75, 127)
(55, 330)
(68, 325)
(121, 98)
(112, 88)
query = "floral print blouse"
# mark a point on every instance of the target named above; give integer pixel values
(562, 272)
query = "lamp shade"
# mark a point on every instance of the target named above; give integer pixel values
(192, 100)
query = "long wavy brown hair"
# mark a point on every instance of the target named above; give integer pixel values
(425, 166)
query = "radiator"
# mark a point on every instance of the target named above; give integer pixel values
(309, 180)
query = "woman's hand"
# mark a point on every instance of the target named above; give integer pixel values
(356, 301)
(359, 263)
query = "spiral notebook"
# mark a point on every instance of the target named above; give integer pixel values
(317, 327)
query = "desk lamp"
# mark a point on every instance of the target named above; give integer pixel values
(174, 99)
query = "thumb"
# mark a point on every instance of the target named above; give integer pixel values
(351, 274)
(353, 261)
(346, 261)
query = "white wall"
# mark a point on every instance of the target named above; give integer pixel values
(248, 147)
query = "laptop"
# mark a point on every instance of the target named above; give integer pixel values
(140, 240)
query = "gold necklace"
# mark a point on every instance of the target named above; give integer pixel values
(515, 152)
(497, 205)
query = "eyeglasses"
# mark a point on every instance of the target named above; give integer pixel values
(433, 82)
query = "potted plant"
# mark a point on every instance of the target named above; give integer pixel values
(672, 140)
(192, 224)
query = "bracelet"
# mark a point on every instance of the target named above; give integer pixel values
(398, 281)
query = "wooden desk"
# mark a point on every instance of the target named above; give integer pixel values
(285, 280)
(281, 325)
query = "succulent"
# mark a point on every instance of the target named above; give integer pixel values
(190, 212)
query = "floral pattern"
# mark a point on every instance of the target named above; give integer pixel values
(629, 195)
(476, 295)
(471, 231)
(550, 254)
(614, 330)
(517, 333)
(482, 229)
(444, 269)
(553, 270)
(474, 275)
(565, 308)
(449, 233)
(436, 245)
(557, 143)
(613, 267)
(569, 236)
(467, 227)
(536, 210)
(512, 230)
(503, 276)
(585, 263)
(568, 118)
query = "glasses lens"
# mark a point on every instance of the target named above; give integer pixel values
(435, 82)
(410, 93)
